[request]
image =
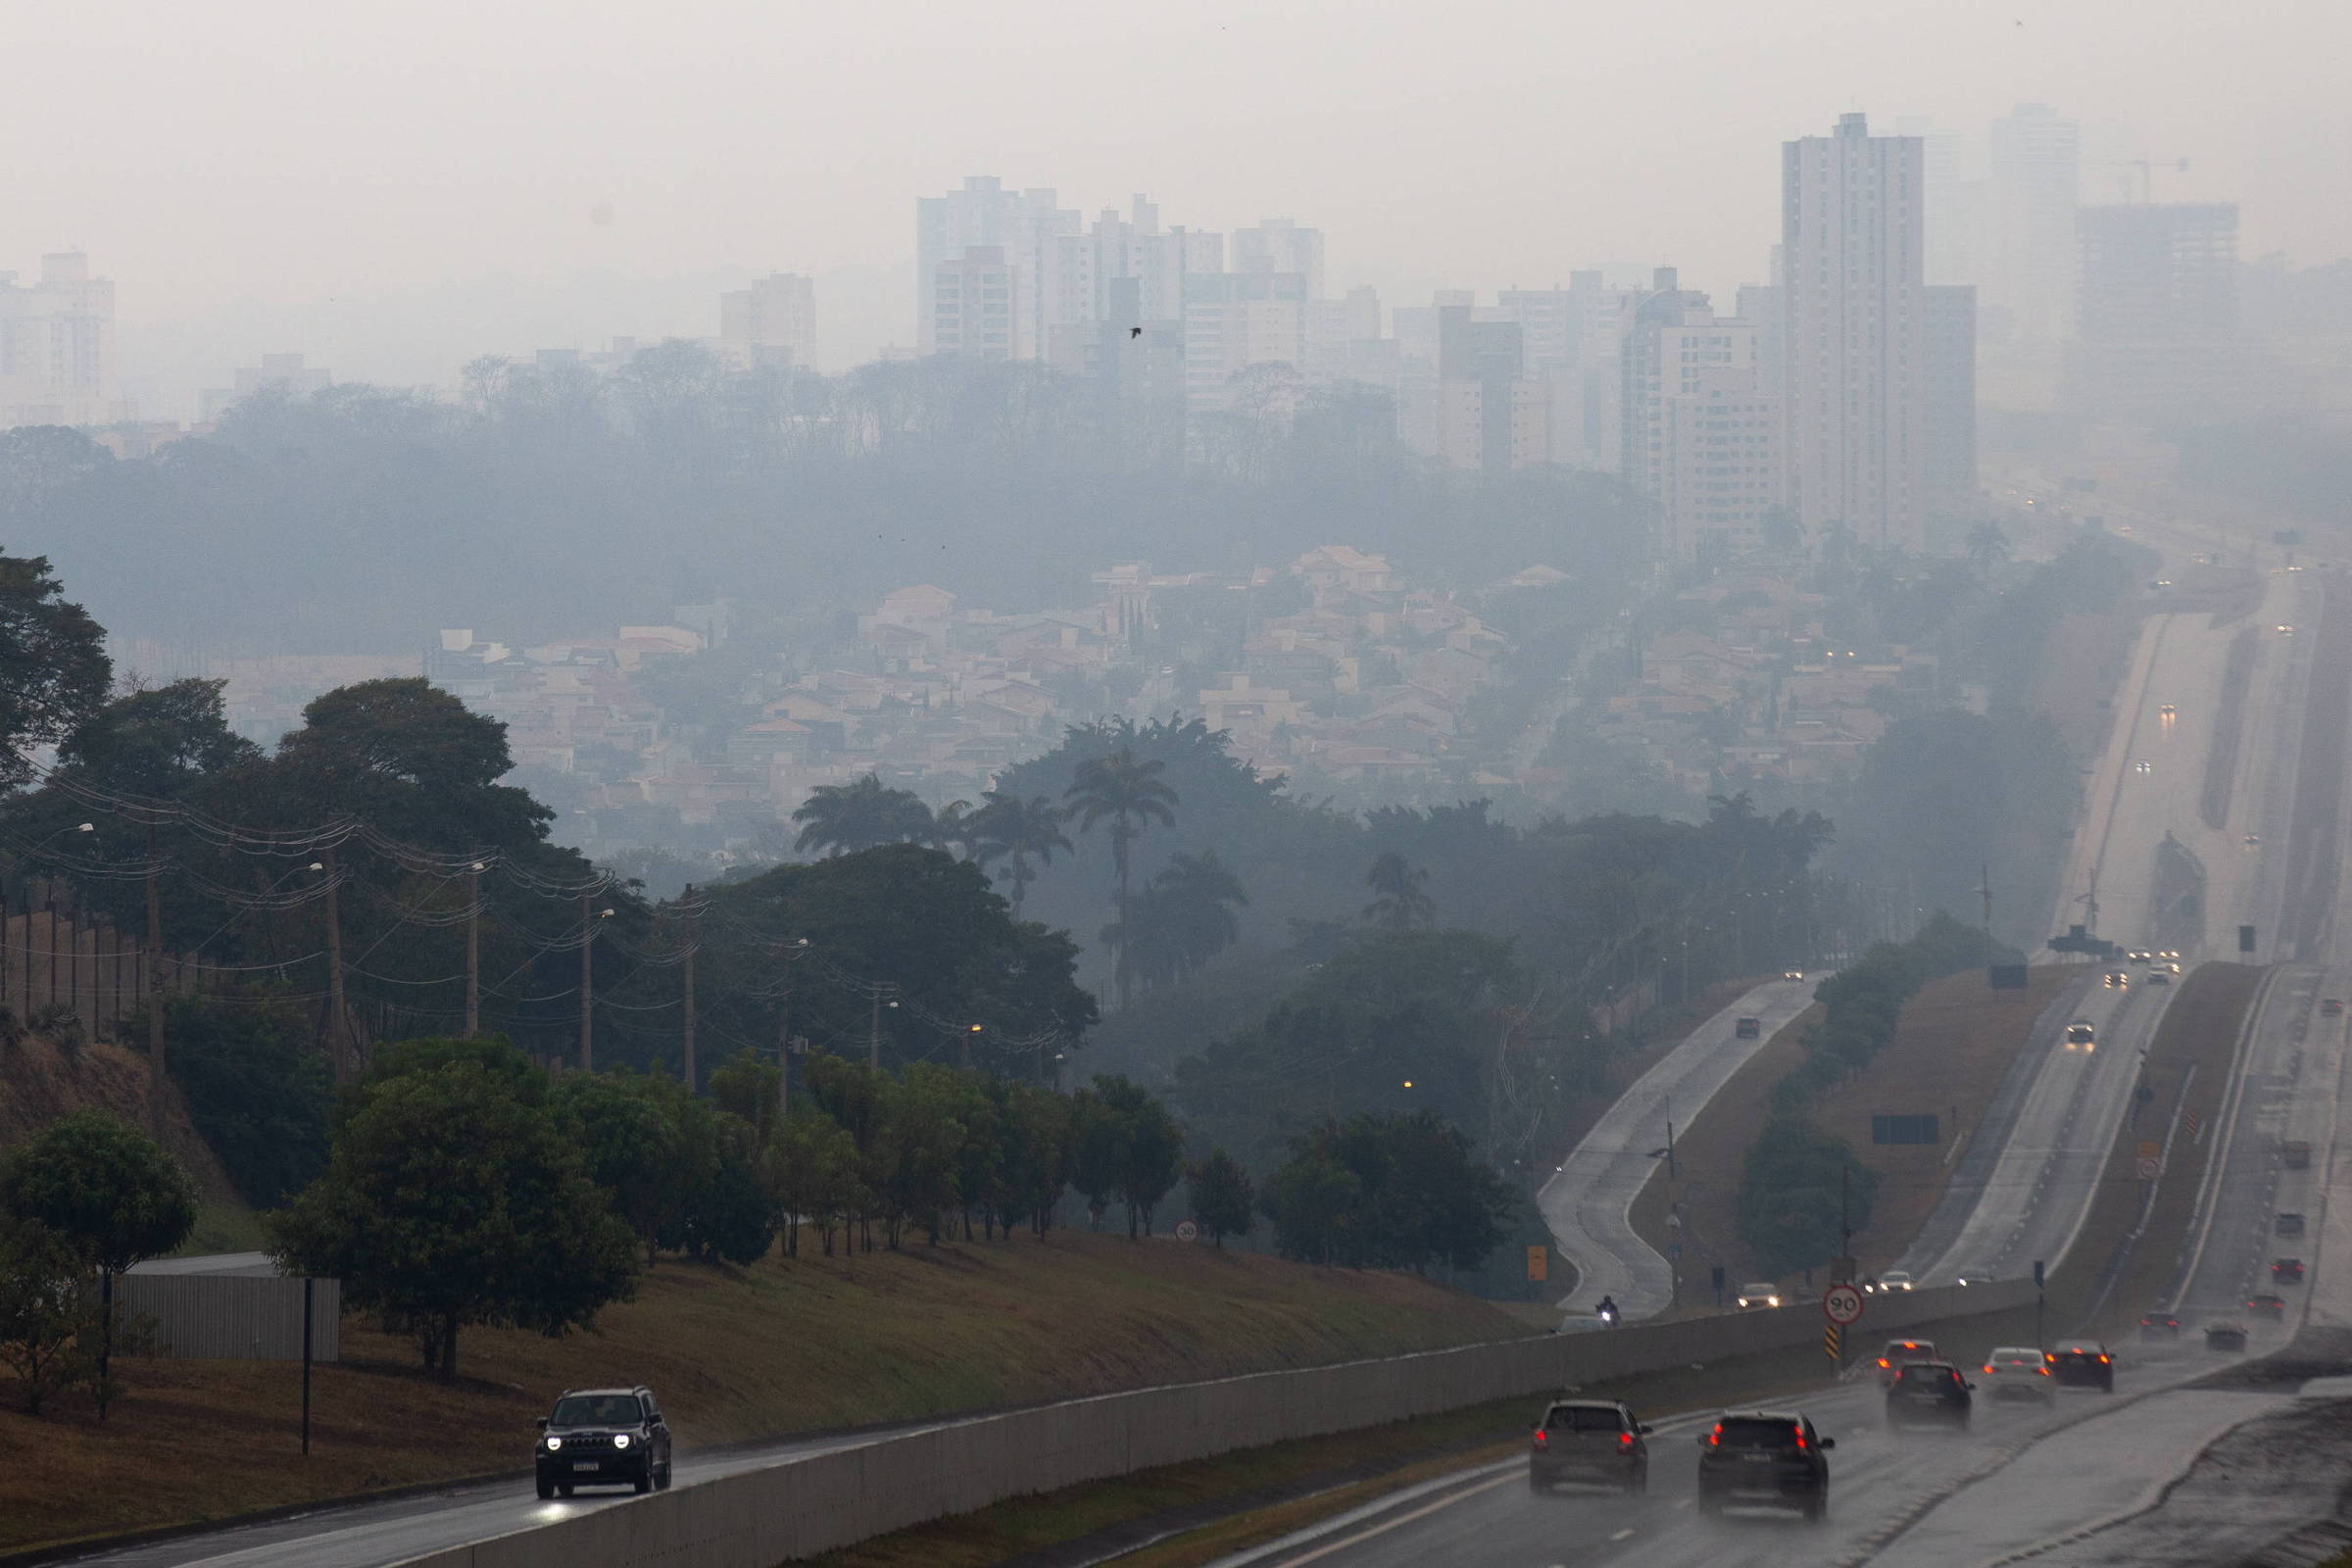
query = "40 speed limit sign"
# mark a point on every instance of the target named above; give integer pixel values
(1841, 1305)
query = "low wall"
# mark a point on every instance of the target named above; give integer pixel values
(234, 1317)
(799, 1507)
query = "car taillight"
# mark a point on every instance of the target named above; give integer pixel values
(1715, 1438)
(1881, 1360)
(2102, 1360)
(1625, 1439)
(1540, 1438)
(1989, 1369)
(2043, 1370)
(1800, 1442)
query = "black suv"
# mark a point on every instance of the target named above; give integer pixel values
(1929, 1394)
(604, 1438)
(2082, 1364)
(1596, 1441)
(1766, 1458)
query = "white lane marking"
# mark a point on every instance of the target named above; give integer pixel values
(1622, 1535)
(1424, 1510)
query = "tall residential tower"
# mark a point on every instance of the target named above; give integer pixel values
(1853, 245)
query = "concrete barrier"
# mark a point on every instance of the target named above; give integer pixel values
(799, 1507)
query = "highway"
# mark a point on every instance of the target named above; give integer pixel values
(1881, 1483)
(1588, 1202)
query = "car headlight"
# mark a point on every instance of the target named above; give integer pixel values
(620, 1439)
(553, 1443)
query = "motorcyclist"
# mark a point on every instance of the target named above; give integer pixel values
(1607, 1309)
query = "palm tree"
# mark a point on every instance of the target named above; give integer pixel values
(1009, 828)
(951, 827)
(1132, 796)
(1988, 545)
(1185, 917)
(1401, 905)
(842, 818)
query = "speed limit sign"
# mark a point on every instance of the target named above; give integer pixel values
(1187, 1231)
(1841, 1305)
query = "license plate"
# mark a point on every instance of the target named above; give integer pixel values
(1756, 1458)
(587, 1464)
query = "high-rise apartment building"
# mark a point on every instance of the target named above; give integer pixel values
(1702, 434)
(1020, 224)
(2029, 281)
(975, 306)
(771, 324)
(1852, 238)
(282, 376)
(57, 347)
(2157, 317)
(1234, 320)
(1948, 396)
(1084, 271)
(1280, 245)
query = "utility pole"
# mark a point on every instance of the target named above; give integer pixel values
(873, 1023)
(1985, 887)
(686, 1016)
(473, 950)
(1845, 1228)
(587, 987)
(1671, 1173)
(155, 1000)
(339, 1021)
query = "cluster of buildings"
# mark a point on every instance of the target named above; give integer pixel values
(1838, 396)
(1765, 698)
(1361, 689)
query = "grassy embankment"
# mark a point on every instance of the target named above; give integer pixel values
(792, 1346)
(1955, 1040)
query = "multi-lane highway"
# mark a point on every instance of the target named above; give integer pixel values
(1587, 1203)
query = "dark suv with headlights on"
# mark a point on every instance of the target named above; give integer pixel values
(1598, 1441)
(1929, 1394)
(604, 1438)
(1771, 1458)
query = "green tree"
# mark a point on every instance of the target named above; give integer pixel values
(1016, 829)
(1131, 795)
(628, 1144)
(449, 1200)
(44, 1309)
(1791, 1200)
(1403, 902)
(1183, 918)
(159, 741)
(1388, 1191)
(108, 1192)
(812, 1171)
(410, 760)
(1223, 1202)
(255, 1086)
(861, 814)
(745, 1086)
(54, 672)
(1150, 1149)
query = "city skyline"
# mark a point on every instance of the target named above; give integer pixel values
(425, 189)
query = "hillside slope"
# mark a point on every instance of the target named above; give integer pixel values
(784, 1347)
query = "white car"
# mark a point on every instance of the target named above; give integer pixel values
(1902, 1352)
(2020, 1372)
(1896, 1279)
(1756, 1295)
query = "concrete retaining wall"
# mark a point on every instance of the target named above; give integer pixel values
(799, 1507)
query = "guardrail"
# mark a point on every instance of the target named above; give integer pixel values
(799, 1507)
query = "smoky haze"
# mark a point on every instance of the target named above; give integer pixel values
(396, 198)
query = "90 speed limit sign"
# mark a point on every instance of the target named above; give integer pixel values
(1841, 1305)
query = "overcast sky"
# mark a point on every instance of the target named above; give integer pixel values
(394, 188)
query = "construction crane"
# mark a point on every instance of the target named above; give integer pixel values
(2147, 167)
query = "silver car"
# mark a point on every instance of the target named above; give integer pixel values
(2020, 1372)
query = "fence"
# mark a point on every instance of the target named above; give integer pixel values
(799, 1507)
(52, 958)
(234, 1317)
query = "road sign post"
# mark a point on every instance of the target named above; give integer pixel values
(1833, 1341)
(1841, 1305)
